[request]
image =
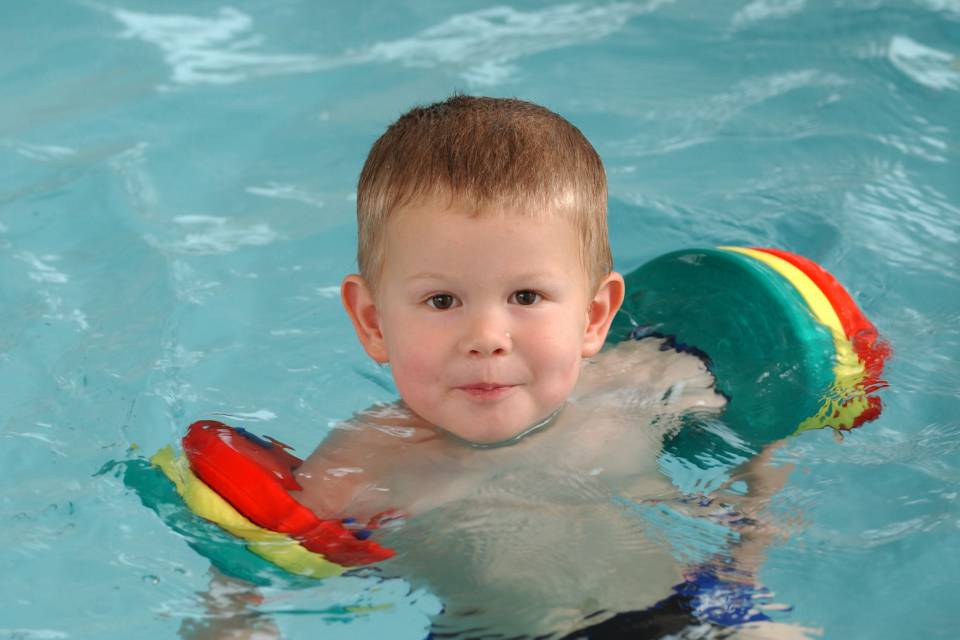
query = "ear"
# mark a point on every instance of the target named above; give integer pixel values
(359, 302)
(603, 307)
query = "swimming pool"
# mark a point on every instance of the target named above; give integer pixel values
(176, 211)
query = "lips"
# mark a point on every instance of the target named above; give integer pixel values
(486, 390)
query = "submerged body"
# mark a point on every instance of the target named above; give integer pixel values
(532, 536)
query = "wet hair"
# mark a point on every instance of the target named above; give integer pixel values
(484, 154)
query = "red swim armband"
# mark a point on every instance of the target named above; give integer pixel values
(256, 477)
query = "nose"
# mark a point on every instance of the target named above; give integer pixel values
(486, 335)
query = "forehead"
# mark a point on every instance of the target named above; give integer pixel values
(444, 235)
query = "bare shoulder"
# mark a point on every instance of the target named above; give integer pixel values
(628, 398)
(356, 459)
(363, 436)
(651, 371)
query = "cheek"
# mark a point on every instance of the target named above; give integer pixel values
(415, 357)
(557, 356)
(414, 366)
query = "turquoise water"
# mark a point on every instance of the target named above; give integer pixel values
(176, 212)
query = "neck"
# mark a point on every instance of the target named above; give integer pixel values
(537, 426)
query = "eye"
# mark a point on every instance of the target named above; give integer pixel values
(526, 297)
(441, 301)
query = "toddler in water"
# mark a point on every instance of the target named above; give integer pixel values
(486, 285)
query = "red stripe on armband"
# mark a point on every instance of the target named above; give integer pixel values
(256, 477)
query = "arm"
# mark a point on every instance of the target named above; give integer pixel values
(230, 613)
(330, 477)
(374, 463)
(734, 597)
(743, 513)
(757, 532)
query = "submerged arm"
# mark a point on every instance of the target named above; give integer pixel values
(230, 612)
(756, 531)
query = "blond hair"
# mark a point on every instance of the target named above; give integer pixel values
(483, 154)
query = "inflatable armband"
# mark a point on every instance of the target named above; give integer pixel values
(243, 483)
(787, 344)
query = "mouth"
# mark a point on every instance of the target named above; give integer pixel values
(486, 390)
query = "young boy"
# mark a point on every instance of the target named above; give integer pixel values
(486, 285)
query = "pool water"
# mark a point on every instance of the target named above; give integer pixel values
(176, 212)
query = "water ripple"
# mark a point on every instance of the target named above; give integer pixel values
(222, 49)
(760, 10)
(189, 285)
(932, 451)
(900, 220)
(924, 65)
(216, 50)
(500, 35)
(42, 152)
(949, 8)
(285, 192)
(33, 634)
(679, 127)
(211, 235)
(43, 271)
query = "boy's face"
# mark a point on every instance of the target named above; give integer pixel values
(484, 320)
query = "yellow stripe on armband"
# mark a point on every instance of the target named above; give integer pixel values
(278, 548)
(847, 398)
